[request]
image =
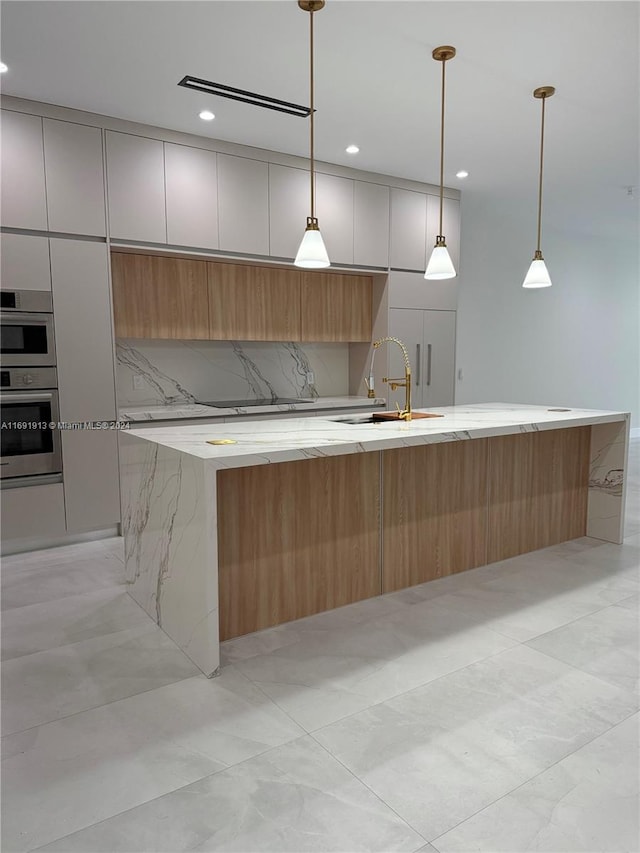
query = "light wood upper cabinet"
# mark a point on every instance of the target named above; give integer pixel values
(22, 172)
(336, 307)
(408, 230)
(243, 205)
(289, 200)
(370, 225)
(159, 297)
(135, 184)
(74, 178)
(334, 209)
(25, 262)
(249, 303)
(192, 196)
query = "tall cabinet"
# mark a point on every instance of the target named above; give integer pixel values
(430, 338)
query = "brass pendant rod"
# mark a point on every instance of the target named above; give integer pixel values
(540, 180)
(442, 150)
(313, 194)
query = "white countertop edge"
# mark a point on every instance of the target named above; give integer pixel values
(273, 441)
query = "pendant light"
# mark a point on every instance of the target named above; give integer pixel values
(440, 264)
(312, 253)
(538, 275)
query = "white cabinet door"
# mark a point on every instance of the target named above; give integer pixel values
(135, 186)
(84, 343)
(25, 262)
(430, 338)
(371, 225)
(450, 226)
(289, 206)
(413, 290)
(439, 352)
(192, 196)
(23, 201)
(91, 482)
(74, 176)
(243, 205)
(334, 209)
(408, 230)
(34, 512)
(406, 324)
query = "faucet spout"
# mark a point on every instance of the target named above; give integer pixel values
(404, 414)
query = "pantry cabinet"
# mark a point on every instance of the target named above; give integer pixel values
(159, 297)
(249, 303)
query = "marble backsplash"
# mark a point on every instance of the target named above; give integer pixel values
(188, 371)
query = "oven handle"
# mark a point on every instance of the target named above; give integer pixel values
(18, 318)
(28, 397)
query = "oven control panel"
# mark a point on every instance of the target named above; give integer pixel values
(23, 378)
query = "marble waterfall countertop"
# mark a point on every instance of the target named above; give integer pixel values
(179, 411)
(266, 441)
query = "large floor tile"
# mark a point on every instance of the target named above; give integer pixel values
(51, 624)
(605, 644)
(48, 685)
(59, 572)
(318, 682)
(588, 802)
(443, 751)
(294, 798)
(68, 775)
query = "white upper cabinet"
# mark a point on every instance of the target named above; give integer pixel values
(192, 196)
(408, 230)
(84, 342)
(371, 225)
(289, 206)
(135, 186)
(450, 226)
(74, 178)
(334, 209)
(22, 172)
(25, 262)
(243, 205)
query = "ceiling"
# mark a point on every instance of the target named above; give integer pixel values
(376, 85)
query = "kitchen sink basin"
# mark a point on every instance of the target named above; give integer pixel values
(382, 417)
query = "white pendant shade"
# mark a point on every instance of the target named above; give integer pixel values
(538, 275)
(312, 253)
(440, 264)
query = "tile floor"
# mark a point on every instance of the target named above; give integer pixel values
(496, 710)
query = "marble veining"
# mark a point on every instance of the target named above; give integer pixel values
(173, 372)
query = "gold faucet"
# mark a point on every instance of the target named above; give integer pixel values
(403, 414)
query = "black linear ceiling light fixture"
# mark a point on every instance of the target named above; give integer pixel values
(243, 95)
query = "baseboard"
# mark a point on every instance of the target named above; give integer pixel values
(20, 546)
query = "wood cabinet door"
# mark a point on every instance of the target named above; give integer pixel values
(253, 303)
(159, 297)
(336, 307)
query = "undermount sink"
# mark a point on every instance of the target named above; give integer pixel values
(383, 418)
(355, 419)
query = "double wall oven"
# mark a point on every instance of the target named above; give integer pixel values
(30, 437)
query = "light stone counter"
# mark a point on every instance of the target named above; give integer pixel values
(179, 411)
(169, 492)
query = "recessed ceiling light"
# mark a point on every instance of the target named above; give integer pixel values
(462, 174)
(207, 115)
(352, 149)
(3, 68)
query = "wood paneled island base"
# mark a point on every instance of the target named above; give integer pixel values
(301, 516)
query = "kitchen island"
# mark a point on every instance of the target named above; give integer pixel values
(277, 520)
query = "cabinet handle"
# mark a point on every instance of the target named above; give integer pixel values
(418, 364)
(428, 364)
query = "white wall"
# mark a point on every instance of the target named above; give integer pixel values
(574, 344)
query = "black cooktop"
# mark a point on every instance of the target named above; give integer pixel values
(241, 404)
